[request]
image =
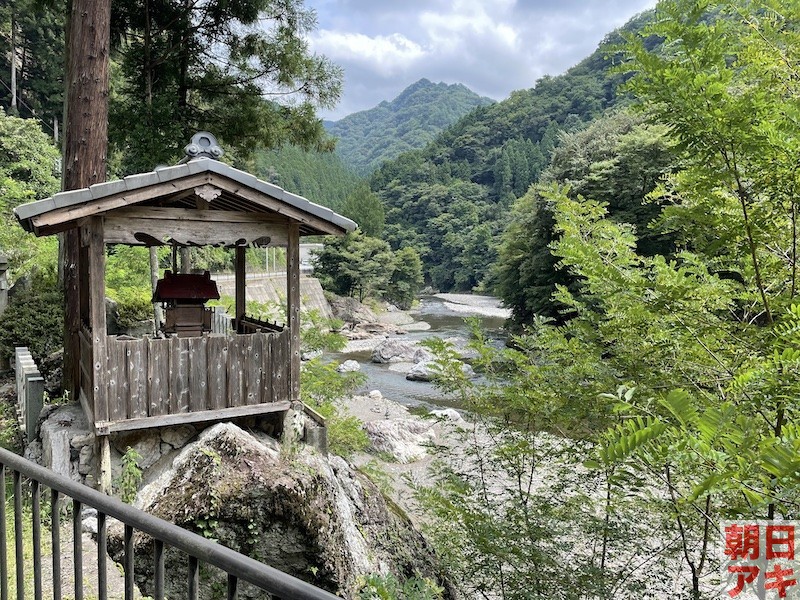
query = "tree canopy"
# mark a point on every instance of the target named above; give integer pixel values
(319, 176)
(38, 42)
(242, 70)
(365, 267)
(28, 172)
(619, 160)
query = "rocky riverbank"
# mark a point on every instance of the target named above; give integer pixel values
(370, 325)
(383, 331)
(403, 445)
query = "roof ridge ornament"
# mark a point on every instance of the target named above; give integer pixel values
(203, 144)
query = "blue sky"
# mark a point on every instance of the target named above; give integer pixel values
(491, 46)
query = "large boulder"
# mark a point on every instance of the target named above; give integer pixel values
(426, 371)
(405, 440)
(422, 371)
(308, 515)
(393, 350)
(59, 428)
(351, 310)
(349, 366)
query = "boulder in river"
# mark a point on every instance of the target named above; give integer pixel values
(421, 371)
(348, 366)
(393, 350)
(423, 355)
(426, 371)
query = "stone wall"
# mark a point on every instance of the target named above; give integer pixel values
(67, 445)
(272, 289)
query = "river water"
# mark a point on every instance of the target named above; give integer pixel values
(446, 321)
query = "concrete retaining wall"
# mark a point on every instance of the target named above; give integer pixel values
(271, 288)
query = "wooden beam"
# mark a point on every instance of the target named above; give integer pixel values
(159, 213)
(241, 274)
(104, 470)
(222, 414)
(97, 313)
(86, 404)
(121, 230)
(293, 308)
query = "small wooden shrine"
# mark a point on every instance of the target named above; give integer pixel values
(190, 375)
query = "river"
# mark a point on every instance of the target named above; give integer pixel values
(446, 320)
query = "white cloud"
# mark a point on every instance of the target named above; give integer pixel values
(386, 54)
(467, 24)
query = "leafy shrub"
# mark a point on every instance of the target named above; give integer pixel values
(131, 477)
(10, 432)
(128, 283)
(34, 318)
(345, 434)
(133, 305)
(321, 387)
(127, 267)
(319, 333)
(387, 587)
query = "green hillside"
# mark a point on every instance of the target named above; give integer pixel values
(410, 121)
(452, 199)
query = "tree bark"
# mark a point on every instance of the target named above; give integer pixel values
(12, 109)
(85, 144)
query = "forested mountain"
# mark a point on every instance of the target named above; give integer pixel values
(452, 199)
(618, 159)
(319, 176)
(410, 121)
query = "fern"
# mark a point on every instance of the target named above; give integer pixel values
(628, 438)
(682, 406)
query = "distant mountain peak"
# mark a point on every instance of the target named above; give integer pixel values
(370, 137)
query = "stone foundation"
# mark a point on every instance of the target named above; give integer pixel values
(67, 445)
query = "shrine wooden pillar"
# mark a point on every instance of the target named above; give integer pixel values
(240, 271)
(96, 268)
(293, 308)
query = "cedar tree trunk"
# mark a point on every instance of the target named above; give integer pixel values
(85, 145)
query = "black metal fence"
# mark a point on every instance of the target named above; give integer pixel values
(197, 549)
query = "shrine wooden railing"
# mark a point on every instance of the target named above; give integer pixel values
(156, 382)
